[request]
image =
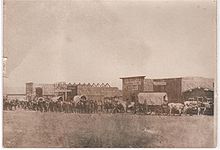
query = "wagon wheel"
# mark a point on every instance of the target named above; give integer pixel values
(146, 112)
(135, 110)
(149, 111)
(158, 110)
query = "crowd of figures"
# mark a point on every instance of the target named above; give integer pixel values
(82, 105)
(49, 105)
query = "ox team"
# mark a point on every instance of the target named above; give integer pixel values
(80, 104)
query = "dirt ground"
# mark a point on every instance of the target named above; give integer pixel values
(35, 129)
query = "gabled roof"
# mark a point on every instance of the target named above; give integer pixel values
(93, 85)
(107, 85)
(102, 85)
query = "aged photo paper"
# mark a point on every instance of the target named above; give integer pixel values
(109, 74)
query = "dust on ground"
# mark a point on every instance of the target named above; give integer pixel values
(36, 129)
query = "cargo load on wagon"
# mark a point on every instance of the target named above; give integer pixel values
(153, 98)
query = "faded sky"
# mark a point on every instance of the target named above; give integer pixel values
(73, 41)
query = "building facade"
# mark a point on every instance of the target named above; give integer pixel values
(131, 87)
(171, 86)
(16, 96)
(98, 91)
(174, 87)
(68, 91)
(39, 90)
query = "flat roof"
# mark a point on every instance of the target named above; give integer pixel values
(133, 77)
(183, 77)
(15, 94)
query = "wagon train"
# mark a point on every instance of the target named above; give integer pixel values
(146, 103)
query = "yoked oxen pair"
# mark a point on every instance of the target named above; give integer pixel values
(198, 107)
(189, 107)
(115, 105)
(10, 104)
(192, 107)
(208, 107)
(83, 106)
(67, 107)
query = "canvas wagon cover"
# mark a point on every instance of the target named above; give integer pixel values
(152, 98)
(40, 98)
(55, 99)
(78, 98)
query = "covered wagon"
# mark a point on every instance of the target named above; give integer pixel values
(57, 98)
(153, 102)
(79, 98)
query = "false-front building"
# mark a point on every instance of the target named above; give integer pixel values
(177, 89)
(68, 91)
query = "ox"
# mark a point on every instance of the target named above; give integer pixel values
(206, 107)
(191, 107)
(177, 107)
(196, 107)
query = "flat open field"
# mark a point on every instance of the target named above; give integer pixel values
(35, 129)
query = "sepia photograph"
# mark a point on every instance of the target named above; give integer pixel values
(109, 74)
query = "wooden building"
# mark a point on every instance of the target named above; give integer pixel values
(131, 87)
(68, 91)
(174, 87)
